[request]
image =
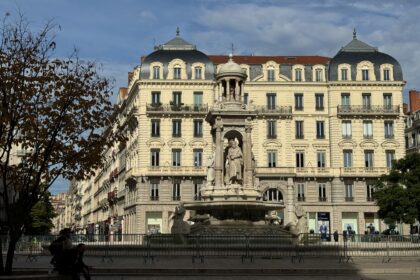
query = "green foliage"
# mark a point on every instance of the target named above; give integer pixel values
(40, 217)
(398, 193)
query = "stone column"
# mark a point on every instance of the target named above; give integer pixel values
(237, 96)
(289, 204)
(228, 95)
(218, 176)
(242, 92)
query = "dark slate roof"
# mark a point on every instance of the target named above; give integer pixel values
(258, 59)
(357, 51)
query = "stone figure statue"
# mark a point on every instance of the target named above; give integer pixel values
(299, 225)
(210, 169)
(179, 226)
(234, 162)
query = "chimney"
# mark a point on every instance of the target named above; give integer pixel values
(414, 96)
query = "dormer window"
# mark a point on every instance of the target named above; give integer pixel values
(298, 75)
(386, 74)
(365, 74)
(270, 74)
(156, 72)
(198, 73)
(177, 72)
(344, 74)
(318, 75)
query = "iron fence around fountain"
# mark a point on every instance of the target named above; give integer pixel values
(244, 246)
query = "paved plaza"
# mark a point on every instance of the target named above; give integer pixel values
(233, 268)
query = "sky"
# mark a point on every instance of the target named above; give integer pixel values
(116, 34)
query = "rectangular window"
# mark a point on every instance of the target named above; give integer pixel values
(319, 102)
(344, 74)
(370, 190)
(318, 75)
(245, 100)
(348, 158)
(299, 129)
(198, 157)
(346, 129)
(368, 159)
(271, 129)
(389, 129)
(365, 74)
(270, 75)
(388, 100)
(298, 101)
(345, 99)
(198, 184)
(156, 72)
(198, 100)
(300, 159)
(176, 157)
(271, 101)
(322, 192)
(177, 73)
(176, 128)
(301, 192)
(321, 158)
(154, 157)
(320, 130)
(349, 191)
(176, 190)
(198, 73)
(386, 74)
(154, 190)
(155, 97)
(366, 98)
(390, 157)
(155, 127)
(198, 128)
(272, 158)
(367, 129)
(298, 75)
(176, 98)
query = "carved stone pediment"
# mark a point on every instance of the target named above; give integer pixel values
(155, 143)
(198, 143)
(300, 145)
(347, 144)
(271, 144)
(320, 146)
(390, 144)
(177, 143)
(369, 144)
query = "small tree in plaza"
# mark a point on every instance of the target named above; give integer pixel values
(52, 115)
(398, 193)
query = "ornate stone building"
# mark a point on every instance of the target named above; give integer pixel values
(323, 130)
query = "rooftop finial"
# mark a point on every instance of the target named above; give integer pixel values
(177, 31)
(354, 33)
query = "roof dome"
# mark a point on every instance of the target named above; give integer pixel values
(231, 68)
(357, 51)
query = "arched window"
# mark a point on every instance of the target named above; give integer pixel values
(177, 72)
(198, 73)
(273, 195)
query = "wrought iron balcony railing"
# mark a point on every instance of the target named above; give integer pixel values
(274, 110)
(368, 110)
(159, 108)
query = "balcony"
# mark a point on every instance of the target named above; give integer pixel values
(351, 110)
(363, 171)
(297, 171)
(159, 109)
(176, 198)
(274, 110)
(322, 199)
(370, 199)
(154, 198)
(176, 170)
(301, 198)
(349, 199)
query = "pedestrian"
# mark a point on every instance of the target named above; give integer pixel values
(59, 249)
(78, 265)
(323, 229)
(335, 234)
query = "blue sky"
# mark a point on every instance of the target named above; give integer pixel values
(117, 33)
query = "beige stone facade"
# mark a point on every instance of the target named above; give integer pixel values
(325, 130)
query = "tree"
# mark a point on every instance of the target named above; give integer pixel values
(398, 193)
(40, 218)
(53, 112)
